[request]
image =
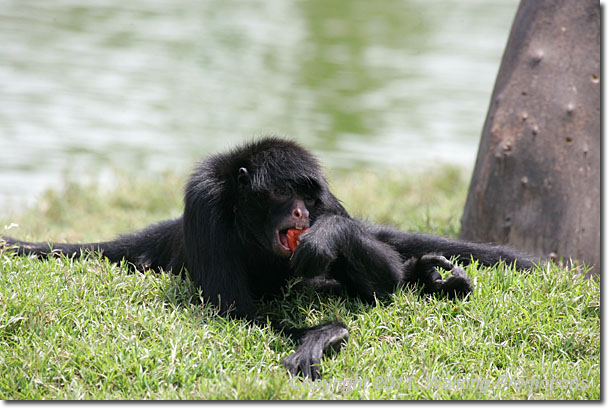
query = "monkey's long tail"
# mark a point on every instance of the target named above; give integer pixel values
(47, 249)
(157, 246)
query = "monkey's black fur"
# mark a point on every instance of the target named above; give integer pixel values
(232, 241)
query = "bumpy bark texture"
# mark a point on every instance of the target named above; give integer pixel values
(536, 182)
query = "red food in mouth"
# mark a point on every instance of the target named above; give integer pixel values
(290, 238)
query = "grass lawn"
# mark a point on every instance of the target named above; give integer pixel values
(87, 329)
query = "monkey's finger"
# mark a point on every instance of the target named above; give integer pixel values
(437, 261)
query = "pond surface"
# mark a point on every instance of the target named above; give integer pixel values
(141, 85)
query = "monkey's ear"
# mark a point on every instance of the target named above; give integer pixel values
(243, 177)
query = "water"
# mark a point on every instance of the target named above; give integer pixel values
(142, 86)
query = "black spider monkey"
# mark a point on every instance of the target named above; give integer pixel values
(232, 240)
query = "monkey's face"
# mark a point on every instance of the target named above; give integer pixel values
(266, 215)
(269, 215)
(288, 210)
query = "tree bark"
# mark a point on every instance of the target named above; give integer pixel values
(536, 181)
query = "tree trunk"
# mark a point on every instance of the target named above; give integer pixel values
(536, 182)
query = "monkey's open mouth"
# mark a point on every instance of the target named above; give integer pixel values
(282, 238)
(289, 238)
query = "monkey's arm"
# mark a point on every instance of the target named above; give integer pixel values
(411, 245)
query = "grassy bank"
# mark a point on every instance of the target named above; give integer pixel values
(86, 329)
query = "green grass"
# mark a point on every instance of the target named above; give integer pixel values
(87, 329)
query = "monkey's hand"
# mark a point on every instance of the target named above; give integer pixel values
(423, 271)
(314, 341)
(317, 249)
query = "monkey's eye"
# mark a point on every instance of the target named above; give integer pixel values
(309, 201)
(282, 193)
